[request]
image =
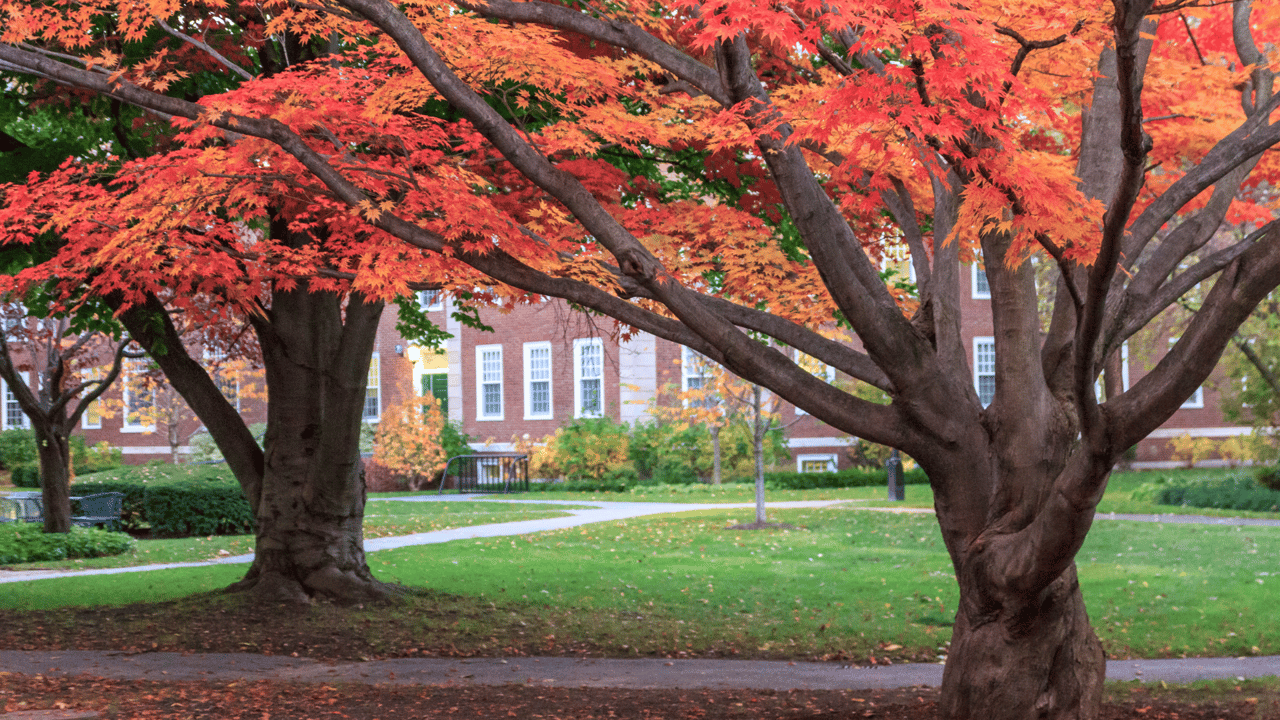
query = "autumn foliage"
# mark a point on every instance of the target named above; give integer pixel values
(407, 441)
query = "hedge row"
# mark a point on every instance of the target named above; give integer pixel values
(175, 501)
(27, 542)
(1232, 493)
(624, 479)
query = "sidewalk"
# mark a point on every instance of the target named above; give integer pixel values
(569, 672)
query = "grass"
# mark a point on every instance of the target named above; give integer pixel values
(383, 518)
(847, 584)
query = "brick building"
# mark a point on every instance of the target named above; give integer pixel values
(546, 364)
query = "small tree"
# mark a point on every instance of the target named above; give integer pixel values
(69, 375)
(409, 440)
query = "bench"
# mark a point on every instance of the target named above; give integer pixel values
(99, 510)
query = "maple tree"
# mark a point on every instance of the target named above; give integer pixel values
(719, 171)
(71, 372)
(408, 440)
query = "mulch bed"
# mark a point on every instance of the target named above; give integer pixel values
(266, 700)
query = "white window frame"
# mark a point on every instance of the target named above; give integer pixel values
(529, 349)
(828, 372)
(1196, 401)
(373, 382)
(978, 366)
(579, 378)
(93, 407)
(217, 376)
(431, 303)
(24, 422)
(833, 463)
(481, 383)
(126, 426)
(977, 270)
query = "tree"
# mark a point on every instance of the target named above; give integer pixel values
(71, 372)
(409, 440)
(719, 172)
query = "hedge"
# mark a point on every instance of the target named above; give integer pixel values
(27, 542)
(622, 479)
(1232, 493)
(175, 500)
(25, 474)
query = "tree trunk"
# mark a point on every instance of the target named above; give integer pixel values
(310, 534)
(715, 454)
(1014, 657)
(54, 453)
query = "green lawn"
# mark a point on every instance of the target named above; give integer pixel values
(382, 518)
(846, 583)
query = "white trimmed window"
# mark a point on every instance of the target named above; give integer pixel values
(14, 418)
(825, 462)
(489, 382)
(817, 368)
(984, 369)
(981, 288)
(91, 418)
(588, 377)
(138, 397)
(373, 391)
(695, 374)
(1197, 398)
(431, 300)
(226, 377)
(537, 381)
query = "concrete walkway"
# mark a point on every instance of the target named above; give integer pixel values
(569, 672)
(572, 672)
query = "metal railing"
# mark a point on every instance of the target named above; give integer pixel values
(493, 473)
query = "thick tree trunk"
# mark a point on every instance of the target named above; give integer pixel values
(310, 540)
(715, 454)
(54, 453)
(1014, 658)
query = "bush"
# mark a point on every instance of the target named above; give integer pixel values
(1269, 477)
(1233, 493)
(86, 460)
(858, 477)
(175, 500)
(25, 474)
(17, 447)
(27, 542)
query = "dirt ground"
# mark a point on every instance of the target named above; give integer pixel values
(264, 701)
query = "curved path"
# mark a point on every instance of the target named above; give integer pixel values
(573, 672)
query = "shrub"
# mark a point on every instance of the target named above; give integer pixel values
(857, 477)
(17, 447)
(175, 500)
(1232, 493)
(27, 542)
(1269, 477)
(25, 474)
(585, 449)
(86, 460)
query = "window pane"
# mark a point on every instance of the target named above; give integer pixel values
(590, 397)
(492, 399)
(540, 398)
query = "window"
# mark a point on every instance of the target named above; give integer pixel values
(139, 397)
(695, 374)
(225, 376)
(489, 382)
(537, 380)
(817, 368)
(816, 463)
(91, 419)
(373, 391)
(981, 289)
(1197, 398)
(984, 369)
(588, 377)
(431, 300)
(437, 385)
(13, 415)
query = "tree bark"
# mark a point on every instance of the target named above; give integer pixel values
(1014, 657)
(54, 453)
(310, 529)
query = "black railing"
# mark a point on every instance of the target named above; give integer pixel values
(494, 473)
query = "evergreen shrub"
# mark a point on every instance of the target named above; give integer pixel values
(27, 542)
(17, 447)
(1232, 493)
(25, 474)
(175, 500)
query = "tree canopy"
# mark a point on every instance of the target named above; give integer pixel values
(717, 172)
